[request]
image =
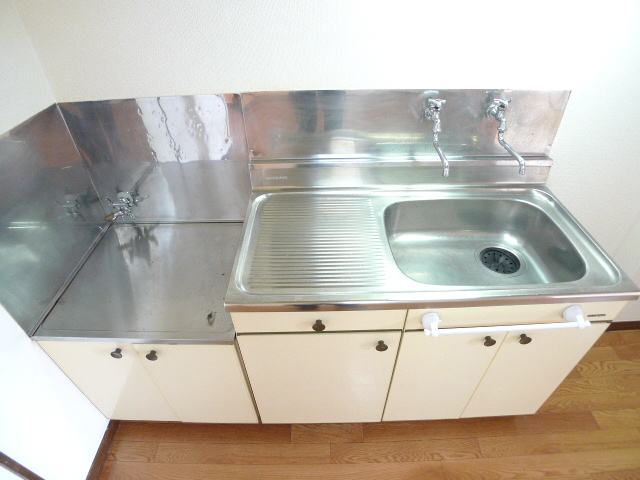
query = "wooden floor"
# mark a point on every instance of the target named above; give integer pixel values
(588, 430)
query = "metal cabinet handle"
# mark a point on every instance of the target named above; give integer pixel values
(381, 347)
(319, 326)
(117, 353)
(489, 342)
(524, 339)
(152, 356)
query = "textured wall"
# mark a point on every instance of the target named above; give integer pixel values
(597, 155)
(121, 49)
(24, 90)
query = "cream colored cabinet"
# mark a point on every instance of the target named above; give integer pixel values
(203, 383)
(118, 385)
(523, 375)
(192, 383)
(320, 377)
(464, 375)
(435, 377)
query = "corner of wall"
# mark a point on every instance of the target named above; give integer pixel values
(25, 90)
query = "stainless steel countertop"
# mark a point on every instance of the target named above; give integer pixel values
(326, 249)
(151, 283)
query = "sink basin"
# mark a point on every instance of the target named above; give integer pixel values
(407, 249)
(480, 242)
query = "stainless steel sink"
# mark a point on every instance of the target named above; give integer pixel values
(480, 242)
(411, 248)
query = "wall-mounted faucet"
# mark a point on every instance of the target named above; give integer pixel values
(496, 110)
(432, 112)
(425, 106)
(125, 201)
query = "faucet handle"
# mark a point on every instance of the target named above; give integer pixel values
(501, 103)
(435, 103)
(432, 111)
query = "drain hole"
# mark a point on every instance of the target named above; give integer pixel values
(499, 260)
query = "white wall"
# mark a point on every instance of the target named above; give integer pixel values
(24, 90)
(123, 48)
(46, 424)
(596, 172)
(8, 475)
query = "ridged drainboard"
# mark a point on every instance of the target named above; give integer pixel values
(300, 243)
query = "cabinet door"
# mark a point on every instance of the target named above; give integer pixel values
(319, 377)
(435, 377)
(121, 388)
(523, 376)
(203, 383)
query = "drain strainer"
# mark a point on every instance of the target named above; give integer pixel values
(499, 260)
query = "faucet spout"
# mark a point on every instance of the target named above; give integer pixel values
(514, 154)
(443, 159)
(433, 113)
(496, 110)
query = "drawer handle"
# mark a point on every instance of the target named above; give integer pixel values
(117, 353)
(524, 340)
(381, 347)
(152, 356)
(319, 326)
(489, 342)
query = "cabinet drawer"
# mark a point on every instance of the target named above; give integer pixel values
(335, 321)
(512, 314)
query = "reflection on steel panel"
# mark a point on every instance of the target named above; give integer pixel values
(379, 123)
(153, 282)
(49, 215)
(187, 154)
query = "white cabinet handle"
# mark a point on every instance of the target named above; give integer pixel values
(573, 315)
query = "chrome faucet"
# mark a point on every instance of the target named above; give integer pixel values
(496, 110)
(123, 205)
(432, 112)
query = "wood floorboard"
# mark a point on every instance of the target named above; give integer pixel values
(327, 433)
(599, 385)
(612, 339)
(519, 445)
(619, 475)
(589, 429)
(575, 373)
(589, 403)
(618, 418)
(628, 352)
(597, 354)
(609, 367)
(407, 451)
(553, 465)
(133, 451)
(167, 471)
(478, 427)
(241, 454)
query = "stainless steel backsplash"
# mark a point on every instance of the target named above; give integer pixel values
(187, 155)
(380, 123)
(50, 215)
